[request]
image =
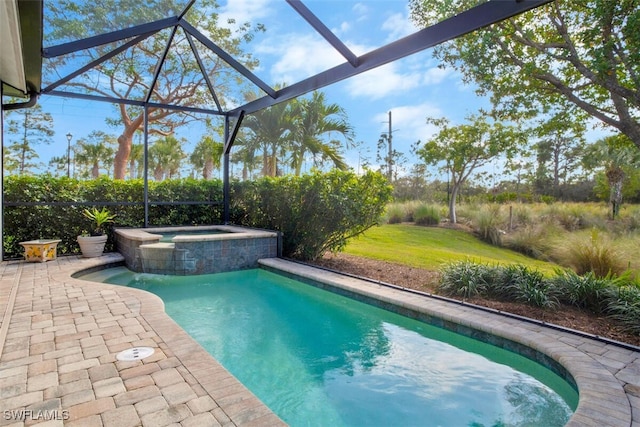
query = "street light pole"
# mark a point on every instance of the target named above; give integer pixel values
(69, 136)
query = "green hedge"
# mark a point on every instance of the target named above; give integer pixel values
(64, 220)
(316, 212)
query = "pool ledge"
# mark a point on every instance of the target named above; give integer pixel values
(59, 338)
(607, 375)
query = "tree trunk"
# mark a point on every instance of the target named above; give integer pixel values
(615, 176)
(452, 203)
(616, 198)
(208, 169)
(124, 148)
(122, 155)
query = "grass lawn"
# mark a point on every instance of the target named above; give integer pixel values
(432, 247)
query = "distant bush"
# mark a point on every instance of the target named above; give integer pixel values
(530, 240)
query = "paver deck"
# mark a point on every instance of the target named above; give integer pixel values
(59, 337)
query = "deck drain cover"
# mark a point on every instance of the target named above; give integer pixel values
(135, 353)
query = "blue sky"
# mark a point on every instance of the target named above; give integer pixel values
(412, 89)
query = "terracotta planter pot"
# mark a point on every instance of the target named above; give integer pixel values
(92, 246)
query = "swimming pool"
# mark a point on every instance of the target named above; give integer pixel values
(317, 358)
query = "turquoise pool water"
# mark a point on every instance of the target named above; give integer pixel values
(317, 358)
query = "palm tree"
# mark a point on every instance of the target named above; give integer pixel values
(165, 158)
(207, 156)
(136, 161)
(94, 151)
(269, 130)
(619, 157)
(314, 120)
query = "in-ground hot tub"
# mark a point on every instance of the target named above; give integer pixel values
(195, 249)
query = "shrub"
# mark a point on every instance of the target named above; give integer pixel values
(466, 279)
(317, 212)
(427, 215)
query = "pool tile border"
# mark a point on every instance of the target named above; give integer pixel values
(607, 376)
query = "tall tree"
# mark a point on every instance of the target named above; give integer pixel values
(315, 121)
(94, 152)
(583, 55)
(25, 129)
(559, 149)
(465, 148)
(128, 74)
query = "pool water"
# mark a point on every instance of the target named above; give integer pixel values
(318, 358)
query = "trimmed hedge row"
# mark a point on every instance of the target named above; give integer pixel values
(316, 212)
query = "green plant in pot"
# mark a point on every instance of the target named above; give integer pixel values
(93, 245)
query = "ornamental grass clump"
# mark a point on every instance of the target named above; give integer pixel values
(427, 215)
(531, 240)
(394, 214)
(487, 221)
(593, 254)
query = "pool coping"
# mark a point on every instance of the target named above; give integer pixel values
(607, 375)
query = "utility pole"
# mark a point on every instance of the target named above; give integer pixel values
(390, 158)
(387, 138)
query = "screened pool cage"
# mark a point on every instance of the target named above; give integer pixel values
(191, 57)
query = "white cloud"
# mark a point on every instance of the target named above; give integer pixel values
(398, 25)
(245, 10)
(361, 10)
(381, 82)
(297, 56)
(435, 75)
(409, 122)
(392, 79)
